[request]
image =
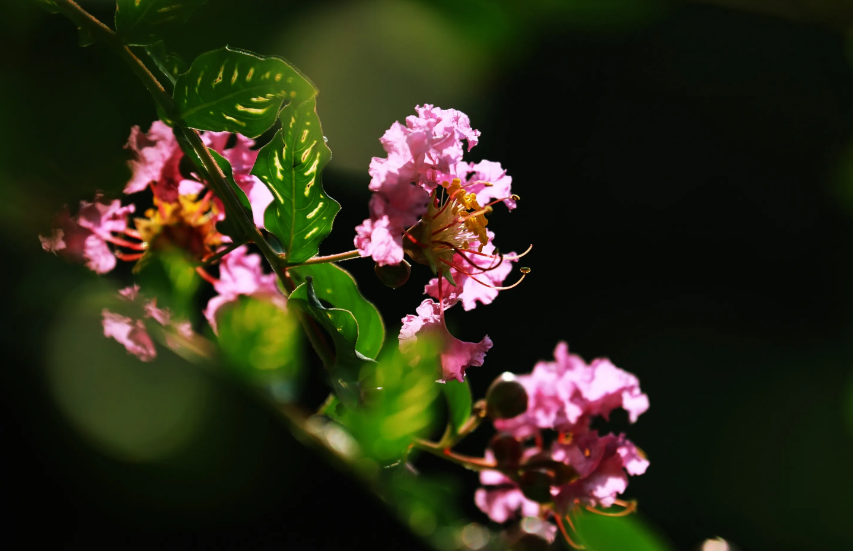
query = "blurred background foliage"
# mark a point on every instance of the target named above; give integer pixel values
(686, 177)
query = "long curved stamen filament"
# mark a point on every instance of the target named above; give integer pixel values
(524, 272)
(206, 276)
(130, 232)
(468, 260)
(475, 182)
(630, 507)
(563, 531)
(496, 201)
(128, 257)
(414, 240)
(124, 243)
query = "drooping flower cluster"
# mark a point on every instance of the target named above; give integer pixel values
(430, 204)
(131, 331)
(580, 467)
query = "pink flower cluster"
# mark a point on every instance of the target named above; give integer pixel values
(83, 238)
(564, 396)
(131, 332)
(424, 181)
(156, 163)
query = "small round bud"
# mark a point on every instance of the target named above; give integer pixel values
(506, 398)
(536, 484)
(507, 450)
(393, 276)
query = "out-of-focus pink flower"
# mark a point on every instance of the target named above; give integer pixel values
(564, 394)
(240, 273)
(481, 285)
(602, 463)
(502, 503)
(157, 156)
(456, 356)
(130, 333)
(83, 238)
(242, 158)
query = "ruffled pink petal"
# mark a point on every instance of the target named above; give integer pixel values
(103, 218)
(129, 333)
(97, 255)
(502, 504)
(379, 240)
(130, 293)
(456, 355)
(156, 158)
(494, 173)
(241, 273)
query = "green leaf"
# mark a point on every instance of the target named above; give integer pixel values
(236, 91)
(171, 65)
(229, 226)
(260, 342)
(143, 22)
(337, 287)
(398, 405)
(459, 403)
(48, 5)
(170, 276)
(301, 213)
(343, 329)
(629, 533)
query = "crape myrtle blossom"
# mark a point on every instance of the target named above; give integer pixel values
(565, 394)
(83, 238)
(423, 175)
(131, 333)
(241, 274)
(157, 158)
(456, 355)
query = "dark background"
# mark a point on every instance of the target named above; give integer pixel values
(686, 182)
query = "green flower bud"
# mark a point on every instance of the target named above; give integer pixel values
(393, 276)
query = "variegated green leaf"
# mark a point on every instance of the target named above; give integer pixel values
(143, 22)
(291, 165)
(237, 91)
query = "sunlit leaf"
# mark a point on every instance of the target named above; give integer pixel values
(291, 165)
(236, 91)
(458, 403)
(142, 22)
(260, 341)
(170, 64)
(398, 404)
(343, 329)
(337, 287)
(628, 533)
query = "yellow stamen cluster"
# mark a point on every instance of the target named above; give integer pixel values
(187, 223)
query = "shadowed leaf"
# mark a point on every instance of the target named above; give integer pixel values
(458, 403)
(337, 287)
(143, 22)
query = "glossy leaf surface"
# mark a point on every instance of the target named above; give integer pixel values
(617, 533)
(343, 329)
(301, 213)
(459, 403)
(337, 287)
(143, 22)
(399, 404)
(170, 64)
(236, 91)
